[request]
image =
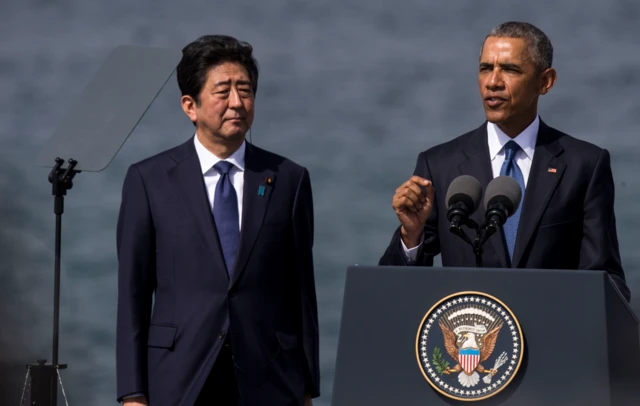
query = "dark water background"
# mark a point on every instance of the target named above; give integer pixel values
(352, 89)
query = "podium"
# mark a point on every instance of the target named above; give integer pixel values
(580, 341)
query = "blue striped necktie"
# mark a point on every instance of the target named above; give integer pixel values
(510, 168)
(225, 214)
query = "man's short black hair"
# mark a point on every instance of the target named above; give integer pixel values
(538, 43)
(207, 52)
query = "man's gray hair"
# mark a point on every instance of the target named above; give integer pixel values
(539, 45)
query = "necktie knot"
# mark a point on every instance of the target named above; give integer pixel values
(510, 150)
(223, 167)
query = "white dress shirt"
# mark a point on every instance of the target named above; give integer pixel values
(497, 139)
(212, 176)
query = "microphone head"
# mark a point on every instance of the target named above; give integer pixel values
(503, 190)
(465, 189)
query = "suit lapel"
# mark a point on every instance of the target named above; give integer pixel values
(478, 164)
(256, 196)
(540, 187)
(187, 179)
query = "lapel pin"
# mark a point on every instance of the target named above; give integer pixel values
(269, 180)
(552, 170)
(261, 190)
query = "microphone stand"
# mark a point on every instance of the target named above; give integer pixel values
(477, 248)
(476, 243)
(483, 232)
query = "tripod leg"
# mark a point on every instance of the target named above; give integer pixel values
(25, 388)
(64, 394)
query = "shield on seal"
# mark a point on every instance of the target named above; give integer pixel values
(469, 358)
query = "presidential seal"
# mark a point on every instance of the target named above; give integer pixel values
(469, 346)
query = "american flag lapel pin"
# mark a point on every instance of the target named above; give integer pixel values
(552, 170)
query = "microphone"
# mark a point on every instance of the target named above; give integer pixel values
(501, 200)
(463, 198)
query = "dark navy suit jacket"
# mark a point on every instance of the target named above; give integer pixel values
(567, 219)
(176, 304)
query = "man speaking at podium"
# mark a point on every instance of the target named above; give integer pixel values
(566, 218)
(219, 233)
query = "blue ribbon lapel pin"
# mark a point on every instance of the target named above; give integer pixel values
(262, 188)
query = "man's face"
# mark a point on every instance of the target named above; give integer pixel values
(509, 82)
(226, 107)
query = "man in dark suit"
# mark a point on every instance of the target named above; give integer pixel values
(216, 292)
(566, 219)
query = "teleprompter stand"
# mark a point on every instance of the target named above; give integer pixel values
(44, 389)
(87, 139)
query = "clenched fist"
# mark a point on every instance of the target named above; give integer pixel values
(412, 203)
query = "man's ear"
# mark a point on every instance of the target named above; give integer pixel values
(189, 106)
(547, 79)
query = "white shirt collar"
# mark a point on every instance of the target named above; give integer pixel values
(208, 159)
(526, 139)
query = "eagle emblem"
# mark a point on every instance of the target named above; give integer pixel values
(469, 346)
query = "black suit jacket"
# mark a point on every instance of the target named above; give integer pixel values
(168, 250)
(567, 219)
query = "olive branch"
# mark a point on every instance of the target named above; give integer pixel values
(438, 361)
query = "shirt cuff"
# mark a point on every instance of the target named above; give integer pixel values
(411, 254)
(133, 395)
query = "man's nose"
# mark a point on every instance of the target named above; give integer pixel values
(234, 99)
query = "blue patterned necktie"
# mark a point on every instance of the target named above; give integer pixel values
(225, 214)
(510, 168)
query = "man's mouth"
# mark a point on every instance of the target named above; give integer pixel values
(494, 101)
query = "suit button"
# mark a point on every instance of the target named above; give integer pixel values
(232, 293)
(222, 335)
